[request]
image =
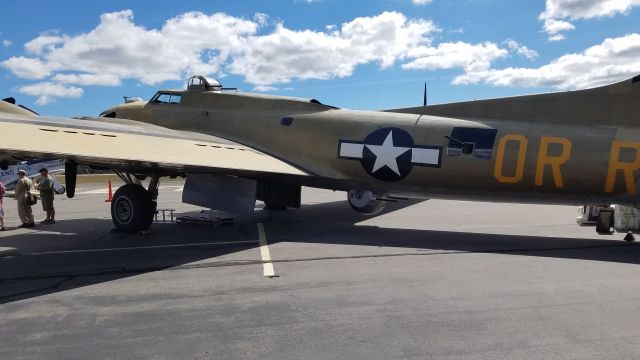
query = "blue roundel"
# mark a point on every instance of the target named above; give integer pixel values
(387, 154)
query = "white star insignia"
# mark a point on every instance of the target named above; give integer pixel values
(387, 154)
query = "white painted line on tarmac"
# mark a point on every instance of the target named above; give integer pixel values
(94, 192)
(142, 247)
(267, 265)
(6, 251)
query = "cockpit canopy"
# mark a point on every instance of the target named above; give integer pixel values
(201, 83)
(166, 97)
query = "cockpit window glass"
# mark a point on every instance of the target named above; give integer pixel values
(164, 98)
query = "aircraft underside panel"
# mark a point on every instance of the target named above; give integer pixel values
(227, 193)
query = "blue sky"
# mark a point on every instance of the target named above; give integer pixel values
(81, 58)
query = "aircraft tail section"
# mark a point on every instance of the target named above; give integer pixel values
(615, 104)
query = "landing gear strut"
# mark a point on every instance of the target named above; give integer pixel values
(133, 206)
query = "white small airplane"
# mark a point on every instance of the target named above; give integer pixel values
(9, 177)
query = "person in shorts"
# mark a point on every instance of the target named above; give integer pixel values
(2, 191)
(45, 186)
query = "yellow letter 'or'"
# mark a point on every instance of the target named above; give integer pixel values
(628, 168)
(522, 152)
(555, 161)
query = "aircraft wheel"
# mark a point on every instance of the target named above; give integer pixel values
(365, 202)
(132, 209)
(61, 190)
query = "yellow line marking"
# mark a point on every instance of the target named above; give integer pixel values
(267, 265)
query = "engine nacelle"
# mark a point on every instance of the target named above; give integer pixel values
(365, 202)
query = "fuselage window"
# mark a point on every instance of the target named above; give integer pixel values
(161, 98)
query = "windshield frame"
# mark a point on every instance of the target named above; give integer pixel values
(172, 96)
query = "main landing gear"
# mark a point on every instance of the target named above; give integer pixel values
(133, 206)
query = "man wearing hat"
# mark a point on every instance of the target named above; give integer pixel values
(45, 186)
(23, 186)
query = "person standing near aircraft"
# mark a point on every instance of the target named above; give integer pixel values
(22, 188)
(45, 186)
(2, 191)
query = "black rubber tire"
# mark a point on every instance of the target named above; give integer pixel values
(132, 209)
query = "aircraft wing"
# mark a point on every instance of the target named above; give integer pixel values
(134, 147)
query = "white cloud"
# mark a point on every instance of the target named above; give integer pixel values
(521, 50)
(286, 54)
(118, 49)
(420, 2)
(43, 43)
(557, 37)
(87, 79)
(264, 88)
(470, 57)
(47, 92)
(557, 10)
(189, 43)
(553, 26)
(27, 68)
(260, 18)
(6, 43)
(586, 9)
(613, 60)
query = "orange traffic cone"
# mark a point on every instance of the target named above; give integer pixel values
(110, 193)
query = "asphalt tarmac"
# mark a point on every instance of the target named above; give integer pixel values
(424, 280)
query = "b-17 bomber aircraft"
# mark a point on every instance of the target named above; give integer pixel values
(579, 147)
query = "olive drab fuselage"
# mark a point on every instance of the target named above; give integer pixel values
(410, 153)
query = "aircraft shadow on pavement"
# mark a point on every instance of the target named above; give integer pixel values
(34, 273)
(345, 229)
(43, 265)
